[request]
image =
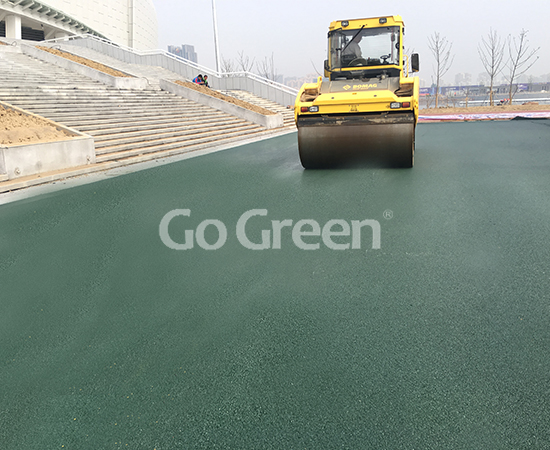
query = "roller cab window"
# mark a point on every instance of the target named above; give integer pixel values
(364, 47)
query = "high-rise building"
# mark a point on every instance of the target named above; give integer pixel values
(188, 52)
(185, 51)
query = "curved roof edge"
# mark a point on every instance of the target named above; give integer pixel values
(38, 11)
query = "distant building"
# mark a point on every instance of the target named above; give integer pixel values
(463, 79)
(483, 78)
(185, 51)
(297, 82)
(189, 53)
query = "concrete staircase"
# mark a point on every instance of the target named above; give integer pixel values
(125, 124)
(153, 74)
(128, 126)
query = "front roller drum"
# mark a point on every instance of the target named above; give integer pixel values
(376, 140)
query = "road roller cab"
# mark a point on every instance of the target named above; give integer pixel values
(366, 107)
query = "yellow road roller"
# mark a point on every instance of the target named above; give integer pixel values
(365, 109)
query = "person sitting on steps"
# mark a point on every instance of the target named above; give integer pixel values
(199, 80)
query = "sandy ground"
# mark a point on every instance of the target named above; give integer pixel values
(235, 101)
(17, 129)
(85, 62)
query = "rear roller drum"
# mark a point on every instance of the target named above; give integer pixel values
(386, 141)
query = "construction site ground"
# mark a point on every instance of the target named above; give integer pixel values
(439, 339)
(15, 128)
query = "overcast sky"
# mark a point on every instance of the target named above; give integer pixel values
(295, 31)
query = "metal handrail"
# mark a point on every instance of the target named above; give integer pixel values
(261, 79)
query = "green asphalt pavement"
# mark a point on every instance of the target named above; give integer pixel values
(439, 339)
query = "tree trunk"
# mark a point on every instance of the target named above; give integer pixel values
(437, 93)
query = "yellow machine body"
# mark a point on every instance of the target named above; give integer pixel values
(366, 107)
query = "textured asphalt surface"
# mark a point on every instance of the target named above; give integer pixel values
(440, 339)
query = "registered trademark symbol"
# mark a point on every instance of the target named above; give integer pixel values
(388, 214)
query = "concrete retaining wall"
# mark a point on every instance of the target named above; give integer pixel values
(267, 121)
(19, 161)
(109, 80)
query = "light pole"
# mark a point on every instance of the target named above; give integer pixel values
(216, 45)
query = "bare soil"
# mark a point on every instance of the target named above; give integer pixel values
(227, 98)
(485, 109)
(85, 62)
(17, 129)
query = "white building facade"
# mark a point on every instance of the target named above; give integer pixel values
(130, 23)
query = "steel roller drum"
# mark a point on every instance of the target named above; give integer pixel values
(385, 140)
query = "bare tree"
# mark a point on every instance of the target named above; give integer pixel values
(441, 49)
(227, 65)
(466, 96)
(315, 68)
(244, 63)
(521, 59)
(266, 68)
(491, 52)
(429, 100)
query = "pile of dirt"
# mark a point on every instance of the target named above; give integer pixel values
(227, 98)
(17, 129)
(85, 62)
(485, 109)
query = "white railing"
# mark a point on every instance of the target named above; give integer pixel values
(247, 81)
(253, 76)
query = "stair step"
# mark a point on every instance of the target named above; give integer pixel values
(171, 146)
(155, 141)
(98, 96)
(134, 129)
(145, 136)
(193, 147)
(92, 110)
(111, 115)
(82, 96)
(55, 107)
(94, 119)
(108, 126)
